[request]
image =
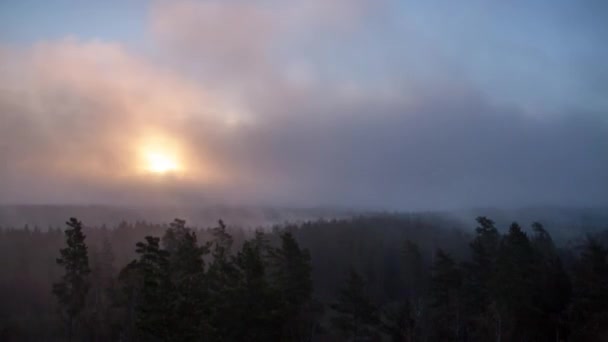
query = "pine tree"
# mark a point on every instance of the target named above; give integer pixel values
(399, 323)
(223, 278)
(255, 303)
(484, 250)
(126, 299)
(414, 271)
(589, 311)
(72, 290)
(552, 289)
(415, 281)
(222, 243)
(187, 275)
(445, 305)
(357, 316)
(480, 304)
(291, 274)
(103, 288)
(156, 296)
(514, 287)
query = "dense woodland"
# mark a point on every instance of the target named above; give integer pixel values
(372, 278)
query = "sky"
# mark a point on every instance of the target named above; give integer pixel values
(384, 104)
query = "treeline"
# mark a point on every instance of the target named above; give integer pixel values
(385, 277)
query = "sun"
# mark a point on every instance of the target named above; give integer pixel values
(159, 155)
(160, 163)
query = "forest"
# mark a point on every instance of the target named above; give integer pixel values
(380, 277)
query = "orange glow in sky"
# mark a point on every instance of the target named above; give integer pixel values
(160, 155)
(158, 162)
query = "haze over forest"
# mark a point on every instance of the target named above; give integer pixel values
(314, 170)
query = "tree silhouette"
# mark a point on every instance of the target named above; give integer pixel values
(187, 276)
(207, 284)
(589, 312)
(156, 294)
(291, 275)
(553, 288)
(481, 306)
(446, 298)
(223, 279)
(255, 303)
(514, 286)
(357, 315)
(72, 290)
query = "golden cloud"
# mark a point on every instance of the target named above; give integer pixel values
(85, 109)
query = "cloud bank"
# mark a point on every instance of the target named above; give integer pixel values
(349, 103)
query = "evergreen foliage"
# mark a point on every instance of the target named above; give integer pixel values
(72, 290)
(286, 284)
(357, 316)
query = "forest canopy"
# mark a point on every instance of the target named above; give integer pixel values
(369, 278)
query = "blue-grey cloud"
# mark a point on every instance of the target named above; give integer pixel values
(371, 104)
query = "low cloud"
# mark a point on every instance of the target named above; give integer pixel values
(258, 119)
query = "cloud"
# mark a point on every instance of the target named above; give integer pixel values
(221, 35)
(255, 50)
(444, 153)
(78, 112)
(286, 105)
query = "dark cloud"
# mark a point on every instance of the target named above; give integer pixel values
(448, 153)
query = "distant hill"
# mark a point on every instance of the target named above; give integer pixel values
(43, 216)
(564, 223)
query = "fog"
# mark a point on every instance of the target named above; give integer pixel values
(355, 104)
(315, 170)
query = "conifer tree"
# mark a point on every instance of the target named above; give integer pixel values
(484, 249)
(72, 290)
(552, 288)
(103, 288)
(357, 316)
(156, 296)
(187, 274)
(589, 311)
(446, 306)
(414, 271)
(480, 272)
(255, 303)
(292, 277)
(514, 287)
(415, 280)
(223, 279)
(399, 323)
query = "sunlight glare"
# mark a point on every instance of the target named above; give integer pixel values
(158, 162)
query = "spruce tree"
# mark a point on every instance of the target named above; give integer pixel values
(480, 272)
(357, 317)
(156, 296)
(255, 304)
(552, 289)
(223, 279)
(514, 287)
(103, 289)
(187, 272)
(589, 311)
(413, 271)
(446, 305)
(415, 280)
(72, 290)
(291, 266)
(398, 322)
(484, 250)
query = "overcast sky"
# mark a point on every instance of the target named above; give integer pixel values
(381, 104)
